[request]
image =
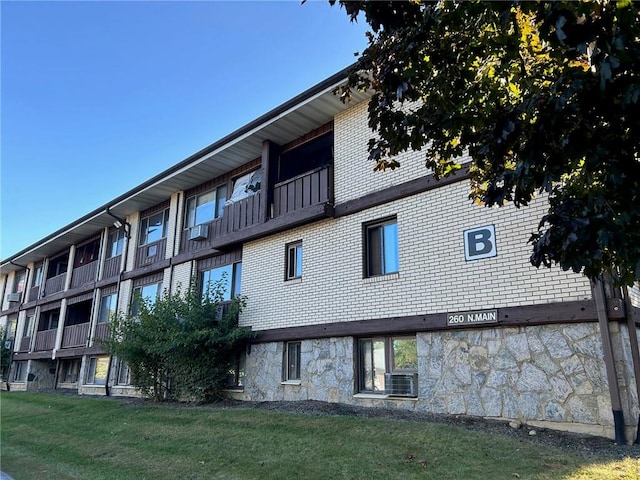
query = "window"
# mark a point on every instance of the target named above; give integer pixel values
(115, 243)
(154, 227)
(381, 248)
(18, 281)
(49, 320)
(246, 185)
(26, 328)
(108, 305)
(86, 253)
(58, 266)
(148, 293)
(98, 371)
(227, 277)
(20, 372)
(70, 370)
(124, 373)
(293, 260)
(292, 361)
(235, 376)
(205, 207)
(37, 276)
(385, 360)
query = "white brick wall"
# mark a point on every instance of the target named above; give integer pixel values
(181, 277)
(434, 276)
(4, 289)
(134, 221)
(124, 296)
(172, 238)
(354, 175)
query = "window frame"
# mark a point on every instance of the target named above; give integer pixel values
(384, 264)
(20, 372)
(291, 368)
(293, 260)
(113, 302)
(92, 368)
(365, 378)
(137, 292)
(123, 371)
(115, 243)
(191, 206)
(144, 227)
(234, 279)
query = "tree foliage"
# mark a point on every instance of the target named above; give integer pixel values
(182, 346)
(544, 98)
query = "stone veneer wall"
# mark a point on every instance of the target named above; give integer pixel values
(40, 374)
(548, 375)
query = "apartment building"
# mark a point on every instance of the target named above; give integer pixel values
(385, 289)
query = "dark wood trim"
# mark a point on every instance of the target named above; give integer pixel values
(527, 315)
(148, 270)
(12, 310)
(307, 137)
(41, 355)
(81, 289)
(189, 256)
(164, 205)
(106, 281)
(412, 187)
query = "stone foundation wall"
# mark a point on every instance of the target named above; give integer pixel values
(41, 374)
(551, 375)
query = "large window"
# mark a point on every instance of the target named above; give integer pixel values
(98, 371)
(108, 305)
(205, 207)
(37, 276)
(246, 185)
(387, 365)
(18, 281)
(381, 248)
(292, 361)
(49, 320)
(227, 278)
(115, 244)
(70, 370)
(154, 227)
(20, 372)
(293, 260)
(148, 293)
(124, 373)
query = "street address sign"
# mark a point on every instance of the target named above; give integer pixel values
(472, 318)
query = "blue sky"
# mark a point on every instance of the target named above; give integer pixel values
(97, 97)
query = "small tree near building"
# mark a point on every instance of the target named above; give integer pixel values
(182, 345)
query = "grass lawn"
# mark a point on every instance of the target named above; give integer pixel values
(45, 436)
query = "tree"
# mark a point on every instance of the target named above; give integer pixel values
(180, 346)
(543, 96)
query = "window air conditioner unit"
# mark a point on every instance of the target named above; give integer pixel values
(199, 232)
(13, 297)
(401, 384)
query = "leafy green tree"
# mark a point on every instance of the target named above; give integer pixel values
(543, 96)
(5, 356)
(182, 345)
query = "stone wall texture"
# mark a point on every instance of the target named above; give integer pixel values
(545, 374)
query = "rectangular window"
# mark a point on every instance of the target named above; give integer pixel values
(294, 260)
(292, 361)
(381, 248)
(235, 377)
(20, 372)
(388, 365)
(148, 293)
(227, 278)
(115, 244)
(205, 207)
(108, 305)
(26, 328)
(154, 227)
(70, 370)
(124, 373)
(18, 282)
(37, 276)
(49, 320)
(98, 371)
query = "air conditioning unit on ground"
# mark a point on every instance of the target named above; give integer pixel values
(401, 384)
(199, 232)
(13, 297)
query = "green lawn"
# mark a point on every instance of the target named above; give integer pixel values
(53, 436)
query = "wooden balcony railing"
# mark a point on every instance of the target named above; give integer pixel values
(45, 340)
(237, 216)
(112, 267)
(24, 344)
(84, 274)
(102, 331)
(75, 335)
(308, 189)
(151, 253)
(33, 293)
(55, 284)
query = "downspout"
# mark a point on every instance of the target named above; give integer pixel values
(635, 351)
(119, 223)
(612, 380)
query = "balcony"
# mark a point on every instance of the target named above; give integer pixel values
(295, 201)
(102, 331)
(55, 284)
(75, 335)
(112, 267)
(45, 340)
(84, 274)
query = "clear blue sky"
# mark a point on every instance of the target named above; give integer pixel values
(97, 97)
